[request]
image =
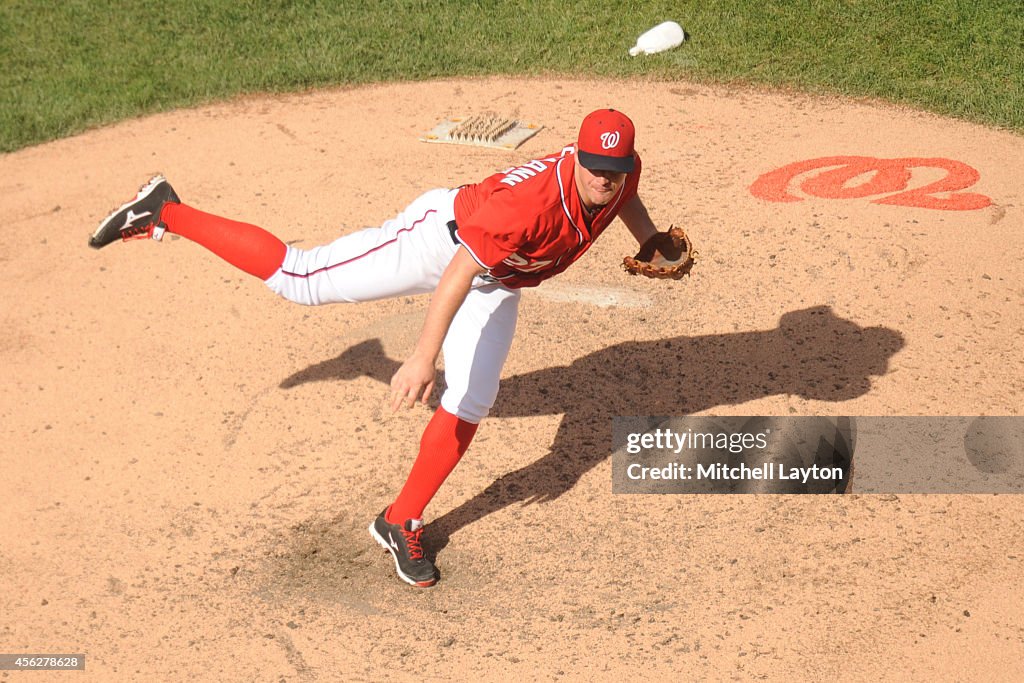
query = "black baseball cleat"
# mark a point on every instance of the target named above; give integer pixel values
(403, 542)
(139, 218)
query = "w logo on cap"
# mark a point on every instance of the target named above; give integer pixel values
(610, 140)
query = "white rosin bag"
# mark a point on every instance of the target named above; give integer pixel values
(664, 36)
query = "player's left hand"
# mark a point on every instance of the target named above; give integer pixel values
(414, 380)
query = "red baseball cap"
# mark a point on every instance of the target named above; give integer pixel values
(606, 141)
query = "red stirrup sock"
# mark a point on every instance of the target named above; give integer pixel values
(444, 442)
(245, 246)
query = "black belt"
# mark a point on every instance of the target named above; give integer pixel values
(452, 227)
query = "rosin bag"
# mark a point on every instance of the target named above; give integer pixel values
(664, 36)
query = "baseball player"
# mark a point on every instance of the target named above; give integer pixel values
(475, 247)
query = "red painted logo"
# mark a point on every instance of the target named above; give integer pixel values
(881, 177)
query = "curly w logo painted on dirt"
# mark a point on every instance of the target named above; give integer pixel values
(888, 177)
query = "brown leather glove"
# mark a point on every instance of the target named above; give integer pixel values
(666, 255)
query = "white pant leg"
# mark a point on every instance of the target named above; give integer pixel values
(475, 350)
(405, 256)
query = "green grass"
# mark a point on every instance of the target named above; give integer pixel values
(71, 65)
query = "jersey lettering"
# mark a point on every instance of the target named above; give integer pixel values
(514, 176)
(524, 265)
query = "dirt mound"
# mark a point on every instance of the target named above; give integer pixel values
(191, 463)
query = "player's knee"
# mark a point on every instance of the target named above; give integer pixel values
(467, 406)
(306, 278)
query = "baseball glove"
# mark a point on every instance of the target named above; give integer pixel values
(666, 255)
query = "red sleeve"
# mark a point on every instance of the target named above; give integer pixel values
(498, 228)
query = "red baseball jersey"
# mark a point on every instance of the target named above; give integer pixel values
(527, 224)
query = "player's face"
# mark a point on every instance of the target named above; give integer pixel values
(597, 188)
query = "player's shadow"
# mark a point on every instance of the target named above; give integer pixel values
(812, 354)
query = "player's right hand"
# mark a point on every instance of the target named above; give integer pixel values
(414, 380)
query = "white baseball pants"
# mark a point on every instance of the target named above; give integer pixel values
(406, 256)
